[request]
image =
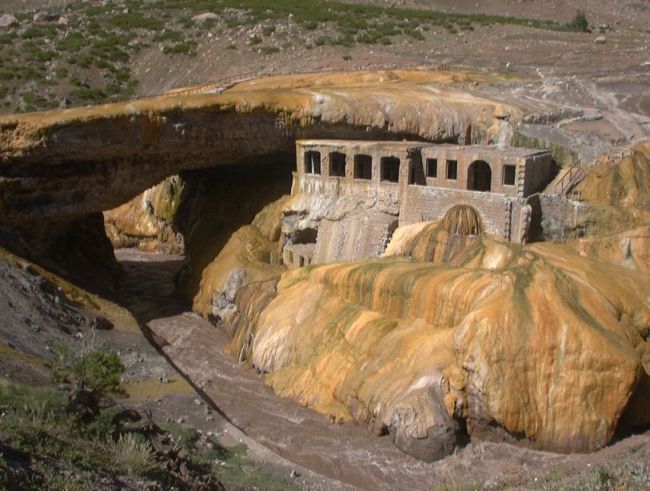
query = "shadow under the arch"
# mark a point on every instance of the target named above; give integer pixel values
(147, 286)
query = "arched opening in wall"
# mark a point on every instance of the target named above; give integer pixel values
(363, 167)
(390, 169)
(312, 162)
(337, 164)
(479, 176)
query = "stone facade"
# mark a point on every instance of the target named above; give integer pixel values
(416, 182)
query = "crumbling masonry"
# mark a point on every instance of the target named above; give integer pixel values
(399, 183)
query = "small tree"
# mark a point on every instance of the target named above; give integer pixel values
(579, 22)
(89, 378)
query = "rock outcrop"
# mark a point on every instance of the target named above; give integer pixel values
(147, 221)
(534, 343)
(453, 334)
(85, 160)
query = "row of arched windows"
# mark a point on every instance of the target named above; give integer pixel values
(479, 172)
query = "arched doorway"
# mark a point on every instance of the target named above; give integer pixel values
(479, 176)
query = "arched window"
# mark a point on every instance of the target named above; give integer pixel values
(479, 176)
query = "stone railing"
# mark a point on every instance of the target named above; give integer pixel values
(565, 183)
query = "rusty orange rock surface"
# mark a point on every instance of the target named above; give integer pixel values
(545, 343)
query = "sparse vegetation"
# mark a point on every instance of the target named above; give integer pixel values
(183, 47)
(45, 446)
(579, 22)
(269, 50)
(100, 42)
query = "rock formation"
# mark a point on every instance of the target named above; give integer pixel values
(60, 167)
(147, 221)
(452, 334)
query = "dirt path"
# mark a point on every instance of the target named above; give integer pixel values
(288, 436)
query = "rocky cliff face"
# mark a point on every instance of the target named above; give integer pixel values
(619, 195)
(147, 221)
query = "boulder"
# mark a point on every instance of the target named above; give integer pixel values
(8, 20)
(45, 16)
(205, 17)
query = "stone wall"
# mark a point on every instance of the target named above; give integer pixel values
(540, 171)
(499, 213)
(414, 193)
(464, 158)
(557, 218)
(532, 170)
(363, 190)
(357, 236)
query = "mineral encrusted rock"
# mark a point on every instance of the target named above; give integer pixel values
(450, 333)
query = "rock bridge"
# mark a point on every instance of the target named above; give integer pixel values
(63, 167)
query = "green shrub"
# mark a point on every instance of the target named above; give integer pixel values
(72, 43)
(7, 74)
(579, 22)
(184, 434)
(98, 371)
(135, 20)
(61, 72)
(122, 75)
(35, 32)
(269, 50)
(417, 35)
(310, 25)
(168, 35)
(30, 73)
(33, 99)
(31, 399)
(6, 38)
(184, 47)
(255, 40)
(133, 455)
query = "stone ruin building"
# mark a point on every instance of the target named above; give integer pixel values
(359, 192)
